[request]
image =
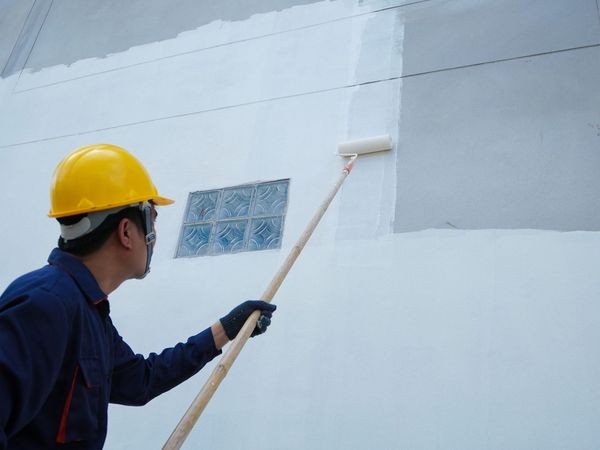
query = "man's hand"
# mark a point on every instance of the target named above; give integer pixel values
(232, 323)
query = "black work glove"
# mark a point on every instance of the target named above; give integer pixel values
(234, 321)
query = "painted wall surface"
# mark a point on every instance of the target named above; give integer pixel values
(391, 333)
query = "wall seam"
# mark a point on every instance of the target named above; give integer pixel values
(495, 61)
(300, 94)
(10, 56)
(32, 45)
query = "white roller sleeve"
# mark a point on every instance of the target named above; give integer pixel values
(368, 145)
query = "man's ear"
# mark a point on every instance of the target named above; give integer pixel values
(124, 233)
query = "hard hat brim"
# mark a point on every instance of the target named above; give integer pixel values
(158, 200)
(162, 201)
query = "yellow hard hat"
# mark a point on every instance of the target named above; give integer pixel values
(98, 177)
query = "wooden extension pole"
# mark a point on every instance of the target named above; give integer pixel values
(190, 417)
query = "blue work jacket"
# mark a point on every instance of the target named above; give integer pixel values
(62, 360)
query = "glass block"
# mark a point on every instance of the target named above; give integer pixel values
(229, 237)
(235, 202)
(202, 207)
(194, 240)
(271, 198)
(265, 233)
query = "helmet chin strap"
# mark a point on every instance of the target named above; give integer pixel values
(149, 234)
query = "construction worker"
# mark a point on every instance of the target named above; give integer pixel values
(61, 358)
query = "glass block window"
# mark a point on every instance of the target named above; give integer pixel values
(234, 219)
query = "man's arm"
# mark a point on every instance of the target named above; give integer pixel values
(137, 380)
(34, 332)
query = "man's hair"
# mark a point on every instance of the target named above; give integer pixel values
(89, 243)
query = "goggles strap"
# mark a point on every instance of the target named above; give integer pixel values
(150, 235)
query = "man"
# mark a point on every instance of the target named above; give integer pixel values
(61, 359)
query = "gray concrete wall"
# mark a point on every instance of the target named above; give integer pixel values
(13, 14)
(500, 116)
(74, 30)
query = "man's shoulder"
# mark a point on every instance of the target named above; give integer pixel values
(47, 282)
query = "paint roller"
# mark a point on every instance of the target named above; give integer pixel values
(350, 149)
(364, 146)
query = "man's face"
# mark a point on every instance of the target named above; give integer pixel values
(141, 250)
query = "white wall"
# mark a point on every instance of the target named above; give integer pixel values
(435, 339)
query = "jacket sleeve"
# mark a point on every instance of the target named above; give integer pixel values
(137, 380)
(34, 330)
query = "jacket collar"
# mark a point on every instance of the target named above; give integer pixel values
(80, 273)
